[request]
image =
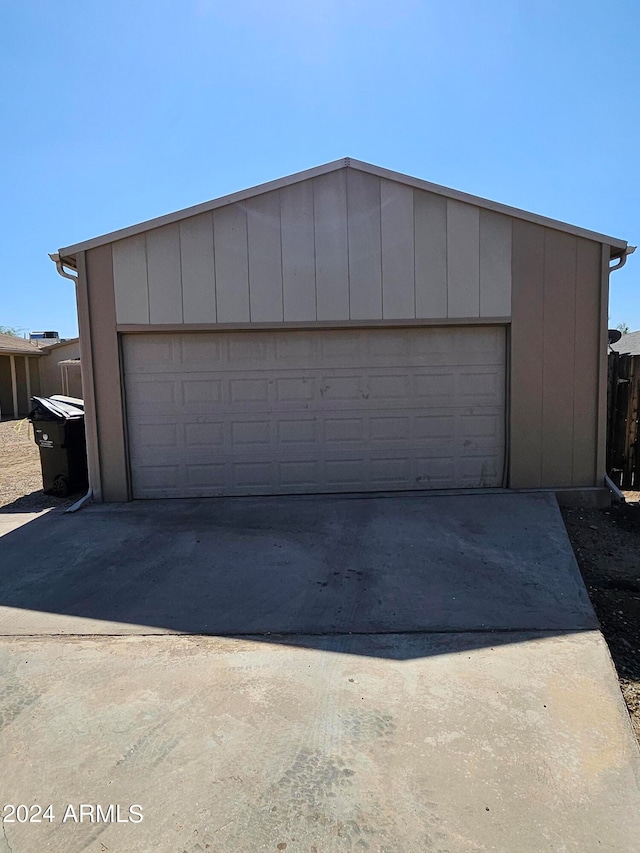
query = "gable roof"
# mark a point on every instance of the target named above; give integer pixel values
(67, 254)
(47, 347)
(628, 344)
(11, 345)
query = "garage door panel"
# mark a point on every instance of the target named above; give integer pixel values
(159, 479)
(301, 474)
(291, 389)
(480, 470)
(200, 391)
(389, 428)
(434, 426)
(251, 434)
(474, 383)
(203, 475)
(200, 353)
(264, 423)
(155, 435)
(209, 435)
(434, 388)
(150, 392)
(155, 356)
(344, 431)
(457, 431)
(292, 433)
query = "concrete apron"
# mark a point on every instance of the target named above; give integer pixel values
(463, 740)
(390, 743)
(295, 566)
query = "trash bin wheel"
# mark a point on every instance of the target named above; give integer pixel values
(60, 487)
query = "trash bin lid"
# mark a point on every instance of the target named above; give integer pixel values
(47, 408)
(74, 401)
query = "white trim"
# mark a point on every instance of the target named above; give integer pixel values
(346, 162)
(310, 325)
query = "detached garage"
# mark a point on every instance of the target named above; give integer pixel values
(346, 329)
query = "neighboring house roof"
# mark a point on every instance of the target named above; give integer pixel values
(617, 246)
(10, 344)
(628, 344)
(64, 343)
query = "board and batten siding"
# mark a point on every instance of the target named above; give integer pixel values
(345, 246)
(555, 359)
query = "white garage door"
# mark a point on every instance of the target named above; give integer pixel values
(257, 413)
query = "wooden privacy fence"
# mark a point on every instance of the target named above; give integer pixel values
(623, 436)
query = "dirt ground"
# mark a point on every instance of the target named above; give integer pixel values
(607, 547)
(20, 475)
(606, 543)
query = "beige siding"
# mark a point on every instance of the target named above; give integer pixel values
(398, 264)
(198, 270)
(50, 379)
(527, 336)
(298, 252)
(558, 356)
(73, 380)
(463, 260)
(365, 253)
(265, 258)
(555, 358)
(130, 280)
(587, 363)
(430, 212)
(106, 375)
(332, 252)
(601, 416)
(495, 264)
(232, 264)
(343, 246)
(164, 275)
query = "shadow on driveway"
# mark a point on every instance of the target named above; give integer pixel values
(315, 568)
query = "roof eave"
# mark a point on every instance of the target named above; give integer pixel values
(26, 352)
(68, 254)
(204, 207)
(49, 347)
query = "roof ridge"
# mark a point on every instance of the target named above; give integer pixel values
(69, 252)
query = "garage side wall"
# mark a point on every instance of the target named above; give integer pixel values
(97, 316)
(557, 354)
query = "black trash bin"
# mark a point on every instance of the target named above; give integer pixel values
(58, 426)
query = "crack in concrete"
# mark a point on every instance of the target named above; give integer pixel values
(6, 840)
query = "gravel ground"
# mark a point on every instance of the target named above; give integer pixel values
(20, 474)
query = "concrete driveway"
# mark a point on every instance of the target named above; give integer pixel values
(384, 674)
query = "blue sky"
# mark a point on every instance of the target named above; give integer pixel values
(117, 112)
